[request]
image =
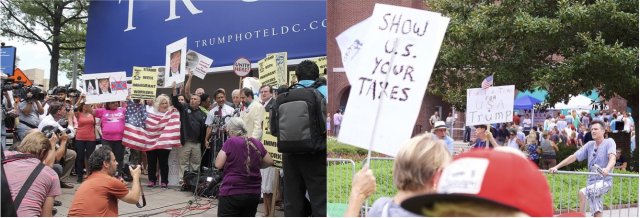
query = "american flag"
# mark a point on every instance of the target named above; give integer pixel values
(144, 132)
(487, 82)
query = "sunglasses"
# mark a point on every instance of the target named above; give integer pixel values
(595, 151)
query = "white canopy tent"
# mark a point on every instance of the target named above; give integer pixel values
(579, 102)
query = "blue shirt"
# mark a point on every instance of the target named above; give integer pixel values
(598, 156)
(322, 89)
(449, 141)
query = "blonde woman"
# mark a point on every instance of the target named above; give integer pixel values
(240, 160)
(415, 170)
(160, 156)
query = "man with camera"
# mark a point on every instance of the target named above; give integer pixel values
(33, 184)
(30, 108)
(55, 122)
(97, 196)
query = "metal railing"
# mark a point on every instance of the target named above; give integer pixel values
(339, 174)
(620, 201)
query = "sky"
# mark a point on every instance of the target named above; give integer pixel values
(34, 55)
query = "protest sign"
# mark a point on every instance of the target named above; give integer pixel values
(292, 78)
(322, 65)
(144, 83)
(281, 67)
(270, 142)
(491, 105)
(105, 87)
(198, 64)
(161, 74)
(267, 70)
(176, 56)
(242, 66)
(389, 77)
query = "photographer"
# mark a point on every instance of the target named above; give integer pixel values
(39, 196)
(7, 107)
(30, 108)
(55, 118)
(97, 195)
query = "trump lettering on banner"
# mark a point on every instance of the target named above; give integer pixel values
(389, 76)
(491, 105)
(105, 87)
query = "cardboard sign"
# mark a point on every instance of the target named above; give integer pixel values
(105, 87)
(270, 142)
(281, 67)
(175, 64)
(198, 64)
(144, 83)
(322, 65)
(292, 78)
(491, 105)
(389, 77)
(267, 70)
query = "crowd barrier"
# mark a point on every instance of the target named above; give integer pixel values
(620, 201)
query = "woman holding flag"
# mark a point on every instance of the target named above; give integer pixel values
(156, 133)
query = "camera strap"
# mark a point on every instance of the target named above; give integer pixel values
(27, 184)
(28, 124)
(144, 200)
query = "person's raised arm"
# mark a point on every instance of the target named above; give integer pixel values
(39, 107)
(134, 194)
(362, 186)
(63, 146)
(187, 86)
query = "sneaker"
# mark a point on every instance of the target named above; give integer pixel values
(57, 203)
(163, 185)
(151, 184)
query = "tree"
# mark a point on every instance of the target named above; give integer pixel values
(565, 47)
(59, 25)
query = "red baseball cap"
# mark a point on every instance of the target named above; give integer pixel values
(496, 176)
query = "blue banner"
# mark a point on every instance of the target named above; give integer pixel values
(124, 34)
(7, 60)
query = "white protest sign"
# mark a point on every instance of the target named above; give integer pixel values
(350, 42)
(491, 105)
(242, 66)
(176, 56)
(391, 72)
(105, 87)
(198, 63)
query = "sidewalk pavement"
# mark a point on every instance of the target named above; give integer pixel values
(160, 203)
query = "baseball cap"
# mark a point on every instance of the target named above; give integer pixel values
(499, 176)
(440, 125)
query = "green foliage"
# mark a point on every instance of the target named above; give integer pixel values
(566, 151)
(566, 47)
(59, 25)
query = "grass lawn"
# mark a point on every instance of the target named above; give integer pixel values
(563, 187)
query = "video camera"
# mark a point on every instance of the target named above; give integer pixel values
(71, 92)
(30, 93)
(10, 84)
(49, 131)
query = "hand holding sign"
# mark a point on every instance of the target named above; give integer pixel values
(389, 76)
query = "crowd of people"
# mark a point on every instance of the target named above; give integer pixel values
(89, 141)
(499, 175)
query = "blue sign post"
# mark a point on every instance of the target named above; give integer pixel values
(7, 60)
(124, 34)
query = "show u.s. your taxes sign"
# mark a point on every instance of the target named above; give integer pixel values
(122, 34)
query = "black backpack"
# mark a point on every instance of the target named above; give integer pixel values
(297, 119)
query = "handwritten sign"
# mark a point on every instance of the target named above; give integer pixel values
(270, 142)
(267, 70)
(144, 83)
(491, 105)
(175, 64)
(292, 78)
(198, 63)
(389, 76)
(281, 67)
(105, 87)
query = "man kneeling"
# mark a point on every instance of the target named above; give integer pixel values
(98, 194)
